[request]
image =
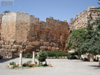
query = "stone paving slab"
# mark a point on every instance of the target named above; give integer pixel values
(60, 67)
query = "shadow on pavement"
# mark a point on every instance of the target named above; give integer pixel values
(5, 60)
(96, 66)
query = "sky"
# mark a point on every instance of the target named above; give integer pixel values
(58, 9)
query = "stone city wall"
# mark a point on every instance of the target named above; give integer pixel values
(24, 32)
(81, 19)
(12, 48)
(22, 26)
(52, 34)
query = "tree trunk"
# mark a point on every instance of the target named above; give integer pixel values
(91, 57)
(99, 61)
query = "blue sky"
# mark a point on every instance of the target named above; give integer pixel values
(58, 9)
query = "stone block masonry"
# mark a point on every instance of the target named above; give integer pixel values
(81, 19)
(8, 26)
(24, 32)
(15, 26)
(0, 24)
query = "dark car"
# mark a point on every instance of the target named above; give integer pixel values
(1, 57)
(71, 57)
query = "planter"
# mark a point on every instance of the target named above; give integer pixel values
(48, 57)
(63, 57)
(31, 65)
(60, 57)
(10, 66)
(54, 57)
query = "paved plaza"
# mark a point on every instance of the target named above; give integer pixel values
(60, 67)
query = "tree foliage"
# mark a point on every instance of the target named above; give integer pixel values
(98, 2)
(93, 36)
(76, 39)
(86, 40)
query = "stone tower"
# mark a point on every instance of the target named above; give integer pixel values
(15, 26)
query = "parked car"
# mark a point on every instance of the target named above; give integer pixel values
(71, 57)
(1, 57)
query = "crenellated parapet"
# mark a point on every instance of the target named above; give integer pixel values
(79, 21)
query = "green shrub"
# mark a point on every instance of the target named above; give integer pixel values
(28, 55)
(57, 54)
(42, 55)
(12, 63)
(15, 66)
(64, 54)
(29, 62)
(35, 54)
(69, 54)
(35, 62)
(51, 54)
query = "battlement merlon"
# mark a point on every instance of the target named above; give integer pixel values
(92, 8)
(51, 20)
(33, 19)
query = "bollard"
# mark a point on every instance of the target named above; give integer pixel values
(20, 59)
(33, 57)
